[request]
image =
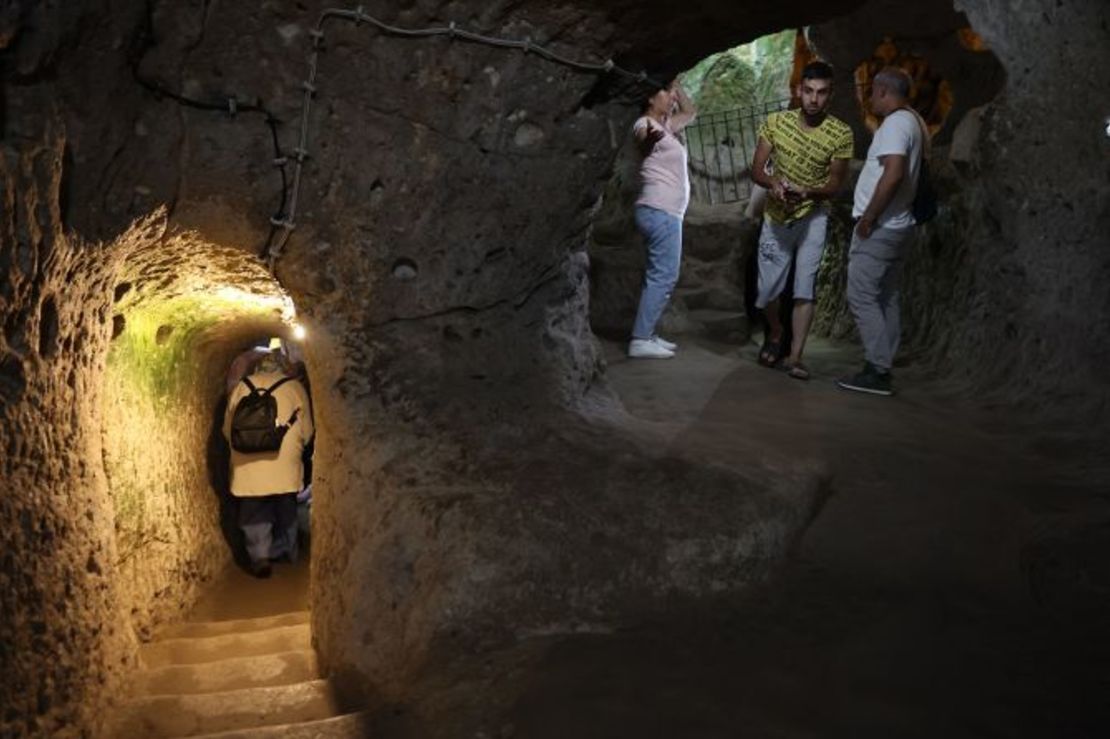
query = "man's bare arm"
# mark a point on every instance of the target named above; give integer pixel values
(759, 170)
(838, 174)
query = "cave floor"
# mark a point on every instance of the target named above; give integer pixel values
(235, 594)
(905, 611)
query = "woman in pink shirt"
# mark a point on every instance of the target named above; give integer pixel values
(660, 208)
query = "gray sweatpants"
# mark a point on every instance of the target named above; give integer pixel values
(874, 273)
(269, 525)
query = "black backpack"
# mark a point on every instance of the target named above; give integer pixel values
(254, 426)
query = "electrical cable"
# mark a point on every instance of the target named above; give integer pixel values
(284, 218)
(232, 106)
(287, 224)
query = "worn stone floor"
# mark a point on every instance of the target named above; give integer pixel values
(236, 594)
(907, 609)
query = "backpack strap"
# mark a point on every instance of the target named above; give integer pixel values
(926, 142)
(266, 390)
(270, 390)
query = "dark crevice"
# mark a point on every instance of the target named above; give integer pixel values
(13, 380)
(546, 276)
(48, 328)
(65, 189)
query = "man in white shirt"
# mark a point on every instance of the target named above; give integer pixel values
(884, 228)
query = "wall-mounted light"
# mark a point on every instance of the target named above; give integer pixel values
(299, 332)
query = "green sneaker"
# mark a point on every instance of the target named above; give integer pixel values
(870, 380)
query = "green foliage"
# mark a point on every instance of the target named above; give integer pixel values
(729, 83)
(693, 78)
(743, 76)
(774, 61)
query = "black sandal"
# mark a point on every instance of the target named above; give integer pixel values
(770, 354)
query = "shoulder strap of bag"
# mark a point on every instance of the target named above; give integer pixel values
(926, 144)
(270, 390)
(250, 385)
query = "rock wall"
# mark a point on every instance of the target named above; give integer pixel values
(64, 643)
(1036, 324)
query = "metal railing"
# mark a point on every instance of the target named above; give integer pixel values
(720, 147)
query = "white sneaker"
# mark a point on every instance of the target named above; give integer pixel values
(648, 349)
(668, 345)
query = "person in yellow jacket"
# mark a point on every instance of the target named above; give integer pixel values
(266, 483)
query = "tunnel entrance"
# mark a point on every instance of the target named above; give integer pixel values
(734, 91)
(184, 309)
(954, 75)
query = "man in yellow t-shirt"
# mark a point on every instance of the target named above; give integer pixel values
(808, 151)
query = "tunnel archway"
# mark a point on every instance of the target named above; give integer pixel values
(184, 308)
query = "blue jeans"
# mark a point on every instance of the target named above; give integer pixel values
(662, 234)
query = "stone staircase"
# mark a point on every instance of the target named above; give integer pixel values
(247, 678)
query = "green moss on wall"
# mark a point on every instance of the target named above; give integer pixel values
(158, 402)
(156, 353)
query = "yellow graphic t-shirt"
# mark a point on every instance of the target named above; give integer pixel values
(803, 156)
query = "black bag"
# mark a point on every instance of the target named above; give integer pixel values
(924, 205)
(925, 199)
(254, 426)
